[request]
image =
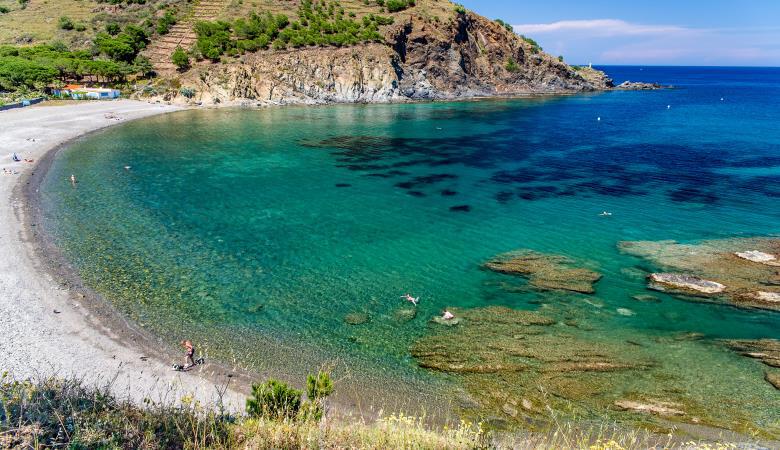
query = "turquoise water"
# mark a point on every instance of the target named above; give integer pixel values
(258, 231)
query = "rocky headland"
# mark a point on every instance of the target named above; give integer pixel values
(421, 58)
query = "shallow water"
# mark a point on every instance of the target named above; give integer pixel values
(258, 231)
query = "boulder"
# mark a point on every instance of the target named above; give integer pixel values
(625, 312)
(405, 314)
(684, 282)
(651, 407)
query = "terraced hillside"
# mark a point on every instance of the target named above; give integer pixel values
(182, 34)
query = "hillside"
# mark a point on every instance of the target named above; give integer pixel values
(303, 51)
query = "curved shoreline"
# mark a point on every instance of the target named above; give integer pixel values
(52, 324)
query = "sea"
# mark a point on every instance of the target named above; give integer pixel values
(282, 240)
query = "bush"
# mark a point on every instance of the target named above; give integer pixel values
(4, 9)
(113, 28)
(180, 59)
(165, 22)
(535, 47)
(187, 92)
(398, 5)
(80, 27)
(274, 400)
(460, 9)
(65, 23)
(505, 25)
(511, 65)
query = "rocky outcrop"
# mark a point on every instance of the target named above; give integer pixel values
(765, 350)
(464, 56)
(546, 272)
(773, 378)
(637, 86)
(684, 283)
(741, 272)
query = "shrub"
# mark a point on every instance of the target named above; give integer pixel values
(535, 47)
(560, 58)
(180, 59)
(80, 27)
(460, 9)
(187, 92)
(165, 22)
(398, 5)
(65, 23)
(113, 28)
(511, 65)
(274, 400)
(505, 25)
(4, 9)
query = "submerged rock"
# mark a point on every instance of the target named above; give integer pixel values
(357, 318)
(773, 378)
(446, 322)
(652, 407)
(625, 312)
(684, 283)
(765, 350)
(759, 257)
(646, 298)
(744, 278)
(637, 86)
(546, 272)
(405, 314)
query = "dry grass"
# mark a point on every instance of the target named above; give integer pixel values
(39, 20)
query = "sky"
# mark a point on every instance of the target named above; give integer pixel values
(647, 32)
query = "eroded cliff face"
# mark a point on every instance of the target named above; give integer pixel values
(467, 56)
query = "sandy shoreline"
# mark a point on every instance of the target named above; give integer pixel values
(48, 328)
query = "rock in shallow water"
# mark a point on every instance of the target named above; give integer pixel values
(773, 378)
(684, 282)
(546, 272)
(357, 318)
(759, 257)
(651, 407)
(765, 350)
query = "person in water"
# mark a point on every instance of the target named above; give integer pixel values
(189, 353)
(411, 299)
(73, 180)
(448, 315)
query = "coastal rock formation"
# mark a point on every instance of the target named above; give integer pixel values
(759, 257)
(545, 272)
(738, 271)
(512, 357)
(637, 86)
(464, 56)
(684, 283)
(765, 350)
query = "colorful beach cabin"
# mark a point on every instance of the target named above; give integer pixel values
(78, 92)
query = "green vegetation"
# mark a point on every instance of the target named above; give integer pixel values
(511, 65)
(398, 5)
(460, 9)
(560, 58)
(165, 22)
(65, 23)
(111, 60)
(187, 92)
(180, 58)
(4, 9)
(535, 47)
(320, 24)
(505, 25)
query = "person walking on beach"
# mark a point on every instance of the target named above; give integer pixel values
(190, 353)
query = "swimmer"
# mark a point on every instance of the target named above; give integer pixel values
(73, 180)
(448, 315)
(411, 299)
(605, 213)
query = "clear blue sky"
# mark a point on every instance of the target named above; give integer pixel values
(680, 32)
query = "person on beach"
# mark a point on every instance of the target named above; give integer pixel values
(189, 360)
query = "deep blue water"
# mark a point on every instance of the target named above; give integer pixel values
(258, 231)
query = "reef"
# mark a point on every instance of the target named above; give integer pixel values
(545, 272)
(740, 272)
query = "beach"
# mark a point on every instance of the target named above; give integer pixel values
(49, 329)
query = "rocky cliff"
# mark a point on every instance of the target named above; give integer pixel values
(464, 56)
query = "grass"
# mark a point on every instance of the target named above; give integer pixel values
(39, 19)
(57, 413)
